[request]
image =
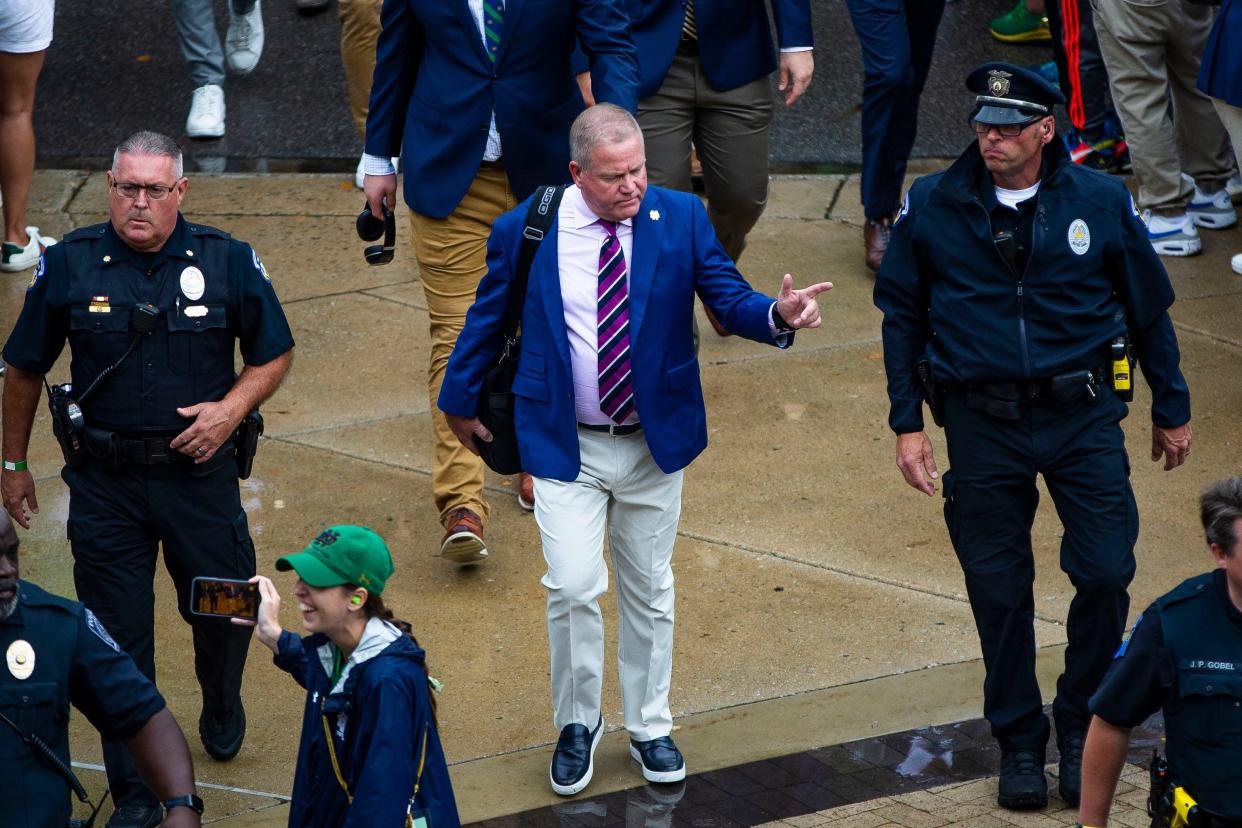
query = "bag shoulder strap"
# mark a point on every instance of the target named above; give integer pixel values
(539, 218)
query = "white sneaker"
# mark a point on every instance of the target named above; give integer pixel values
(1214, 211)
(243, 44)
(1173, 235)
(1237, 264)
(1234, 187)
(206, 113)
(16, 258)
(360, 175)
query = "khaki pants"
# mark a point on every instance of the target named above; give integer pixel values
(730, 132)
(452, 259)
(360, 28)
(1152, 49)
(1231, 117)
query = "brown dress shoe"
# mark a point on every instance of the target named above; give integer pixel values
(526, 491)
(875, 239)
(463, 539)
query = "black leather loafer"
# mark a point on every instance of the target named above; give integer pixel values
(574, 760)
(660, 758)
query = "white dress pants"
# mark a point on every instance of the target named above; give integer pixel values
(618, 487)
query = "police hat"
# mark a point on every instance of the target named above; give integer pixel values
(1008, 94)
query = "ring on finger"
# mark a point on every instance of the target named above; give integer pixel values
(200, 451)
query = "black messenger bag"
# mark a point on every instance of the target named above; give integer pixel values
(496, 403)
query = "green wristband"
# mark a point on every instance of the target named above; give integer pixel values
(14, 465)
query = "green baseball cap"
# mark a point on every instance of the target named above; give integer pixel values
(342, 555)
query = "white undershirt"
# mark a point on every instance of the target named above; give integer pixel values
(1012, 198)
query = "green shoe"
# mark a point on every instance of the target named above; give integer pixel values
(1019, 25)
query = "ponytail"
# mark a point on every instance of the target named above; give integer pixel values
(374, 608)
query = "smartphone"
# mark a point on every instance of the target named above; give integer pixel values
(224, 598)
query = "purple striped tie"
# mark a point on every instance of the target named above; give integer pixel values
(616, 387)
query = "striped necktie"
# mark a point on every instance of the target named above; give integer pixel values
(493, 20)
(616, 387)
(687, 26)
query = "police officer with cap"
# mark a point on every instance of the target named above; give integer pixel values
(1184, 655)
(1014, 288)
(151, 305)
(57, 653)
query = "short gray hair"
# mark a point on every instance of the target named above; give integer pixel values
(1219, 508)
(603, 123)
(146, 142)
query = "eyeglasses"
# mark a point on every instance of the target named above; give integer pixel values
(129, 190)
(1005, 130)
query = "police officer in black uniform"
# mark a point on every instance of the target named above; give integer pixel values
(57, 653)
(1013, 273)
(1184, 655)
(158, 461)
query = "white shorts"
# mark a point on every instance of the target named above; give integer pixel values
(25, 25)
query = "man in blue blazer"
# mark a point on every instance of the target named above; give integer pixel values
(609, 411)
(477, 97)
(704, 69)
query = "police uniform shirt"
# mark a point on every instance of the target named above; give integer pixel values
(1196, 679)
(75, 662)
(946, 292)
(210, 289)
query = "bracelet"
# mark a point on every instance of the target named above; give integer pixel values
(14, 465)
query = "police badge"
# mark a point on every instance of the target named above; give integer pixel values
(998, 82)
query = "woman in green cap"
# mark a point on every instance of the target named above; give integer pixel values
(370, 753)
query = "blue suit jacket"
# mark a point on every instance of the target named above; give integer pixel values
(434, 90)
(675, 253)
(735, 41)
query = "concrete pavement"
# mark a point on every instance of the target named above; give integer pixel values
(819, 598)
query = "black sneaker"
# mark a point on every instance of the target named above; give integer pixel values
(223, 737)
(1069, 770)
(136, 816)
(1022, 783)
(574, 760)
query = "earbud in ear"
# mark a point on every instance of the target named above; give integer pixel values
(356, 600)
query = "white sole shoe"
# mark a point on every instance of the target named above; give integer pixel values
(206, 118)
(16, 259)
(570, 790)
(243, 44)
(660, 777)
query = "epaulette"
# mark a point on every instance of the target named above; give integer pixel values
(206, 230)
(1190, 588)
(34, 596)
(92, 232)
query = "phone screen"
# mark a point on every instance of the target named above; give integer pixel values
(224, 598)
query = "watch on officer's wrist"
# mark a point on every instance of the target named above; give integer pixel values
(189, 800)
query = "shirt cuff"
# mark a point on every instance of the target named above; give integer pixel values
(796, 49)
(377, 165)
(780, 337)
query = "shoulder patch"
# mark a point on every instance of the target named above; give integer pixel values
(38, 273)
(258, 265)
(1125, 642)
(905, 208)
(97, 627)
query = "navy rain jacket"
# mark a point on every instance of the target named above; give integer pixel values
(382, 710)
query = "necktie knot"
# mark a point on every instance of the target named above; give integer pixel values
(610, 227)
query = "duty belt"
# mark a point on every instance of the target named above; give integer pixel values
(146, 451)
(1061, 388)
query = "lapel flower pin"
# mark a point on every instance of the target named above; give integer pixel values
(654, 215)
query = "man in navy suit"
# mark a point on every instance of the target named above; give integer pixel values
(704, 72)
(477, 96)
(609, 411)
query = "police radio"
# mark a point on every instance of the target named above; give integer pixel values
(1119, 356)
(68, 421)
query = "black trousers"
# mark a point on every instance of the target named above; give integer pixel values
(117, 520)
(990, 501)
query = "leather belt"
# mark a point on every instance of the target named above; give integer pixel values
(147, 451)
(613, 430)
(498, 164)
